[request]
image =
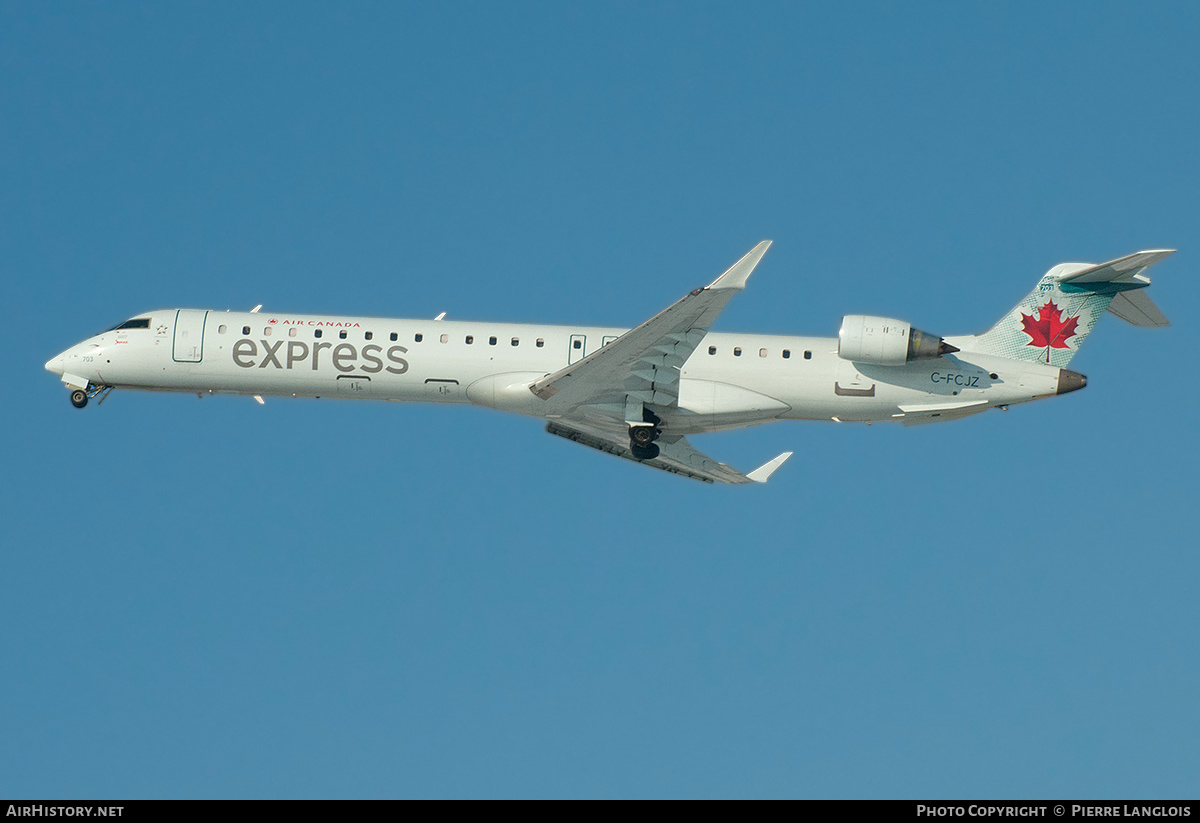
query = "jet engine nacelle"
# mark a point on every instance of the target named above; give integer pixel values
(886, 342)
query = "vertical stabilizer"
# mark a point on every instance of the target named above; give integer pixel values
(1053, 320)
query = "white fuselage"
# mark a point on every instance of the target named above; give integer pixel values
(731, 379)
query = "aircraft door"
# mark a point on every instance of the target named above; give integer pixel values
(189, 335)
(578, 348)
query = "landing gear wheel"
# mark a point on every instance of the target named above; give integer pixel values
(79, 398)
(644, 452)
(641, 441)
(642, 435)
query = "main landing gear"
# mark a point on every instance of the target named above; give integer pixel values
(643, 435)
(641, 441)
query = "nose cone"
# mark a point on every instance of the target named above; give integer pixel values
(55, 365)
(1070, 381)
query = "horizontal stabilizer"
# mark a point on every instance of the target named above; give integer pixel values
(1137, 308)
(1122, 270)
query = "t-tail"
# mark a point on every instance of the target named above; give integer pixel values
(1053, 320)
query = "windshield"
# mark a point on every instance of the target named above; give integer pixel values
(136, 323)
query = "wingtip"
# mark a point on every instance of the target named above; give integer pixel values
(763, 472)
(1149, 257)
(739, 272)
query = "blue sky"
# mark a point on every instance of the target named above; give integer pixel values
(208, 598)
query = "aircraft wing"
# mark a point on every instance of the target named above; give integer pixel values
(643, 364)
(675, 454)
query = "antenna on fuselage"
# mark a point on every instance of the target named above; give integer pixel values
(256, 308)
(440, 316)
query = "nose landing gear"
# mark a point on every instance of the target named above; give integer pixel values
(80, 397)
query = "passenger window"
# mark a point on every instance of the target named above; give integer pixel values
(470, 339)
(540, 342)
(246, 330)
(712, 349)
(762, 352)
(221, 329)
(267, 331)
(491, 341)
(417, 337)
(786, 354)
(445, 338)
(317, 333)
(292, 331)
(808, 355)
(368, 335)
(737, 351)
(516, 341)
(342, 334)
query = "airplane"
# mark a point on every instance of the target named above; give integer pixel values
(635, 393)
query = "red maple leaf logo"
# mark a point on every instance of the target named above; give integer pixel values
(1049, 331)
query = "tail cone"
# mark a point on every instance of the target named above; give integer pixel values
(1070, 381)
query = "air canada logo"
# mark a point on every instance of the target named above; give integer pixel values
(1049, 330)
(347, 324)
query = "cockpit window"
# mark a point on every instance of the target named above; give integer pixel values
(136, 323)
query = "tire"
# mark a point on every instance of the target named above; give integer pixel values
(642, 435)
(644, 452)
(79, 398)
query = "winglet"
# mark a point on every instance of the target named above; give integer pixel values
(764, 471)
(739, 272)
